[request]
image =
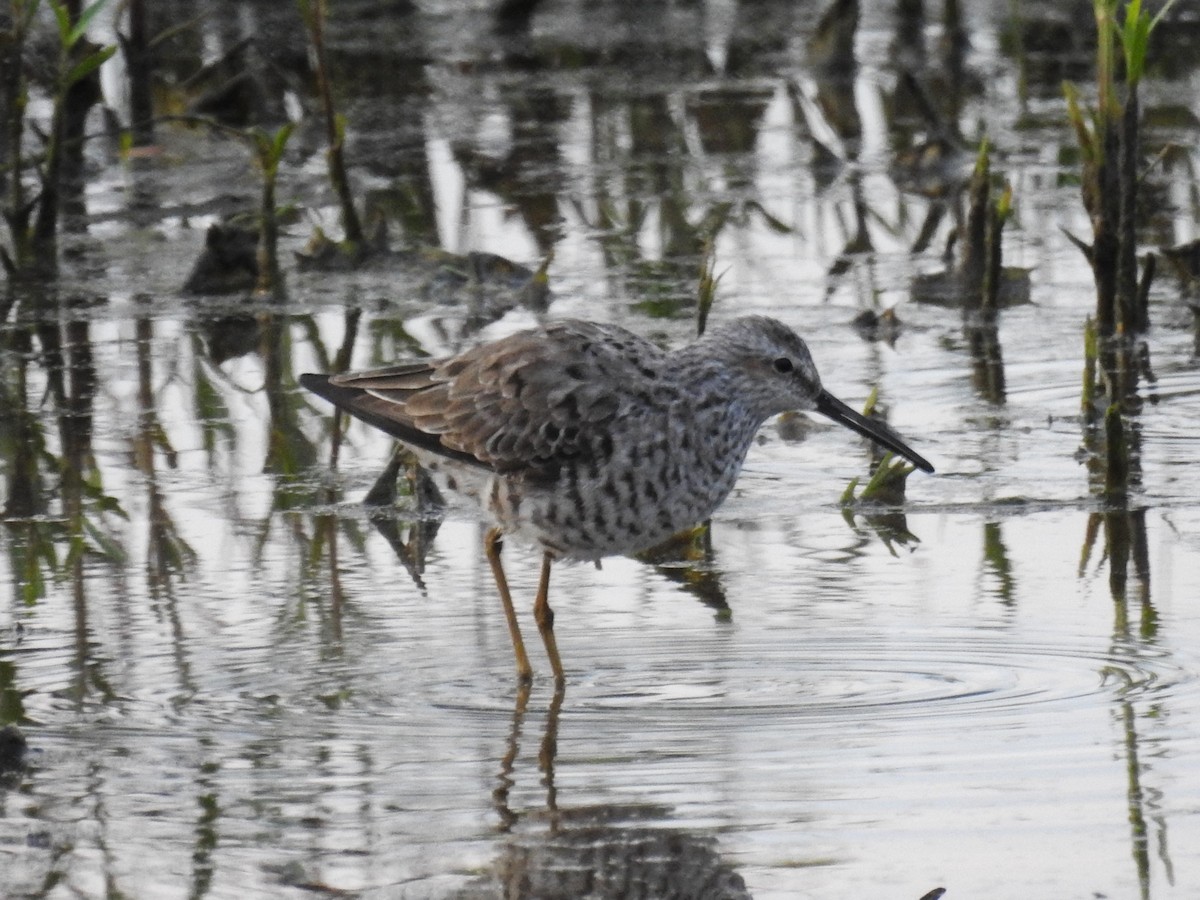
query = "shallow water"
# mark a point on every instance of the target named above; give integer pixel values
(244, 689)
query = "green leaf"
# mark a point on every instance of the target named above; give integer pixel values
(211, 410)
(64, 22)
(89, 64)
(33, 585)
(1135, 37)
(1083, 136)
(1162, 12)
(871, 402)
(848, 493)
(105, 545)
(983, 158)
(1004, 203)
(776, 225)
(281, 139)
(1135, 33)
(85, 18)
(23, 15)
(887, 483)
(107, 504)
(45, 549)
(75, 550)
(262, 145)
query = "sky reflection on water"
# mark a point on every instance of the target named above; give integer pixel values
(249, 685)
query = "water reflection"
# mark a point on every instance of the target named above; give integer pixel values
(1126, 534)
(556, 849)
(689, 560)
(234, 681)
(569, 851)
(411, 534)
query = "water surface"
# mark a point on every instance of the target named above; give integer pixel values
(248, 685)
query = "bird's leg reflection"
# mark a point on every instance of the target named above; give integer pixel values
(508, 818)
(557, 853)
(548, 751)
(546, 755)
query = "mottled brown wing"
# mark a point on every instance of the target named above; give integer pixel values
(529, 401)
(348, 392)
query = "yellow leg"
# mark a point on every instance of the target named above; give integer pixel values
(493, 543)
(544, 616)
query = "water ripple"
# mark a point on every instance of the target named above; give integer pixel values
(944, 678)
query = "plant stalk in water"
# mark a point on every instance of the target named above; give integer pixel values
(76, 90)
(314, 15)
(1116, 473)
(269, 153)
(1110, 146)
(34, 238)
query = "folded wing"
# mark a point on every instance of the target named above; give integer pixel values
(529, 401)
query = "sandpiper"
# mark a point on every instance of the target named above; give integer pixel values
(589, 440)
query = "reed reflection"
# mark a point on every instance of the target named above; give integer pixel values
(689, 561)
(168, 554)
(600, 850)
(411, 533)
(1137, 710)
(55, 541)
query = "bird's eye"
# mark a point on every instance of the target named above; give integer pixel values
(783, 365)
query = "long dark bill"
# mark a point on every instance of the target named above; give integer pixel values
(829, 405)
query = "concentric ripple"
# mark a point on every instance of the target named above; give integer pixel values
(946, 676)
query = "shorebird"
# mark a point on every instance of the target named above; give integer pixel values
(589, 440)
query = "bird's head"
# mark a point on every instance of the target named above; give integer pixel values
(774, 373)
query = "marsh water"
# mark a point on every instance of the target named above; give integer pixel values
(235, 679)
